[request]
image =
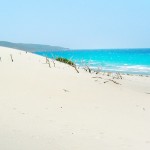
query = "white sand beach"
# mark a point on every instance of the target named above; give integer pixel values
(44, 107)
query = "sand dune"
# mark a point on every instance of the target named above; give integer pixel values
(44, 107)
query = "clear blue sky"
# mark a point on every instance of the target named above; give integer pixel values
(77, 23)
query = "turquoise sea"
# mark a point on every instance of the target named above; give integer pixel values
(135, 61)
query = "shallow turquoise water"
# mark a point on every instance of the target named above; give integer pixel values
(136, 61)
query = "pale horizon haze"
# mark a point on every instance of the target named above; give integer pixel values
(77, 24)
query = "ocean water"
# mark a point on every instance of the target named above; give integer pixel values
(135, 61)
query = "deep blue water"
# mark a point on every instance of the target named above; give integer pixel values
(136, 61)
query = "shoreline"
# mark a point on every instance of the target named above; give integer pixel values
(122, 73)
(139, 69)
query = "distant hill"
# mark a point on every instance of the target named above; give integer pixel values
(31, 47)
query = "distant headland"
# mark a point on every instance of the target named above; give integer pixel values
(31, 47)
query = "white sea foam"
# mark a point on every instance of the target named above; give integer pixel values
(132, 69)
(137, 69)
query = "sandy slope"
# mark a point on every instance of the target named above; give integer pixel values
(43, 108)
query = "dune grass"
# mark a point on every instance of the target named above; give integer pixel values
(67, 61)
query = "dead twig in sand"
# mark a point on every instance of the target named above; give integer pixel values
(48, 62)
(85, 69)
(53, 62)
(89, 69)
(76, 69)
(99, 69)
(65, 90)
(11, 57)
(118, 76)
(106, 81)
(112, 81)
(85, 66)
(53, 59)
(97, 77)
(144, 109)
(108, 74)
